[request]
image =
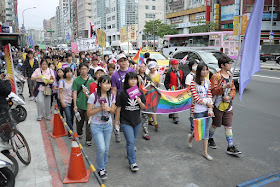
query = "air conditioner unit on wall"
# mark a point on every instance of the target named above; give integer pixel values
(270, 9)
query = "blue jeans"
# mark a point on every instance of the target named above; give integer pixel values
(202, 115)
(69, 113)
(130, 134)
(102, 137)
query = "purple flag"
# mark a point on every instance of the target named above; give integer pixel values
(250, 60)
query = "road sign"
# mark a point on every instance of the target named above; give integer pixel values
(271, 34)
(50, 31)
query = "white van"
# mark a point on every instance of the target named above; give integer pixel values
(124, 47)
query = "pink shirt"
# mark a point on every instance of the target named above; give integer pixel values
(48, 73)
(67, 94)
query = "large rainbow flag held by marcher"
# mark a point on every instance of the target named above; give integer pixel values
(200, 128)
(139, 58)
(166, 102)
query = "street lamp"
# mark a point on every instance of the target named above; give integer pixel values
(23, 23)
(23, 15)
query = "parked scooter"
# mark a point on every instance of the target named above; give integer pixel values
(5, 148)
(17, 111)
(20, 80)
(7, 177)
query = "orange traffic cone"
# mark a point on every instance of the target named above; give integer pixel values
(77, 172)
(58, 127)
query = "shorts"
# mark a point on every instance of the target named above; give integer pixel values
(222, 118)
(31, 83)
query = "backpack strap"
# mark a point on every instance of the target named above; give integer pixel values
(63, 83)
(95, 98)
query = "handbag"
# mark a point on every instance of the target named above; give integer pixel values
(47, 91)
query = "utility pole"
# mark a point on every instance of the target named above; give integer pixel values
(270, 34)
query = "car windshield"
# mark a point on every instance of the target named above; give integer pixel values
(157, 56)
(212, 57)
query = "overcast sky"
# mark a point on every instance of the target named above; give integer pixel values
(33, 18)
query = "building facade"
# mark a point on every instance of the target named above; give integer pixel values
(84, 16)
(185, 13)
(230, 8)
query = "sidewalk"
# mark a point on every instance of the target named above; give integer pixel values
(37, 172)
(270, 65)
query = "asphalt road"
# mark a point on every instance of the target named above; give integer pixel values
(165, 160)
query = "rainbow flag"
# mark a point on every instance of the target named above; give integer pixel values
(166, 102)
(139, 58)
(200, 128)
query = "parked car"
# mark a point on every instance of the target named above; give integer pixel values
(209, 57)
(270, 52)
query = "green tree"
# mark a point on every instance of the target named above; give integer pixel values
(204, 26)
(150, 26)
(161, 29)
(165, 29)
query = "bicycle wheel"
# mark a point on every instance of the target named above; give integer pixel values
(14, 167)
(21, 148)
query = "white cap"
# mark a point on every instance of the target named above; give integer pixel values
(99, 68)
(152, 64)
(120, 56)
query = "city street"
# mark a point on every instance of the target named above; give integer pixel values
(165, 160)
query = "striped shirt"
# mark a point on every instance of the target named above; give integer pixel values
(198, 98)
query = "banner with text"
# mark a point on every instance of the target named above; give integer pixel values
(85, 44)
(128, 33)
(10, 66)
(101, 38)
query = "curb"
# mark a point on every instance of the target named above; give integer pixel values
(270, 68)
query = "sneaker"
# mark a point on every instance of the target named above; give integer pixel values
(170, 116)
(80, 136)
(39, 119)
(134, 167)
(189, 142)
(117, 136)
(156, 126)
(176, 120)
(32, 98)
(135, 148)
(102, 174)
(211, 143)
(88, 143)
(232, 151)
(146, 137)
(69, 136)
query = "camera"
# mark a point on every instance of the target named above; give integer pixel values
(104, 118)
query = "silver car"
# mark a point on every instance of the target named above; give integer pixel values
(209, 57)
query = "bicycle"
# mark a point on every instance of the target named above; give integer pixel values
(10, 133)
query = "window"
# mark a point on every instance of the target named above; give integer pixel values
(150, 15)
(147, 7)
(153, 7)
(113, 17)
(193, 56)
(113, 26)
(180, 55)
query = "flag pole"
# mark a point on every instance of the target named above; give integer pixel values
(240, 44)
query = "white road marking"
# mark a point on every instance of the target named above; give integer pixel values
(266, 77)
